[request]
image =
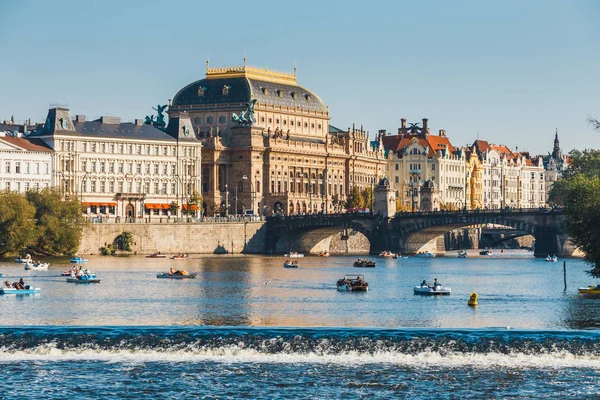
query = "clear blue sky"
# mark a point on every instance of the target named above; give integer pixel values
(512, 71)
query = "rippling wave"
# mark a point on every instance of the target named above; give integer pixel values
(409, 347)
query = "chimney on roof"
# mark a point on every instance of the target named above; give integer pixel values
(139, 121)
(382, 133)
(442, 132)
(80, 118)
(425, 130)
(105, 119)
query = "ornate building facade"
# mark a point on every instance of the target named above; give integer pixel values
(431, 174)
(121, 169)
(268, 146)
(418, 160)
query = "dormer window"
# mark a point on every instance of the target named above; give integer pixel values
(279, 93)
(293, 94)
(225, 90)
(265, 91)
(308, 97)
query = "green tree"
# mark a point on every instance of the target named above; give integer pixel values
(582, 211)
(579, 192)
(582, 163)
(355, 198)
(195, 203)
(59, 222)
(173, 207)
(124, 241)
(17, 223)
(368, 198)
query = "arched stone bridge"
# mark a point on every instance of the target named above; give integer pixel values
(410, 232)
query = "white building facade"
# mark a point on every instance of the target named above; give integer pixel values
(24, 164)
(129, 170)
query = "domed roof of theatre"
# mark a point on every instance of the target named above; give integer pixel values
(242, 84)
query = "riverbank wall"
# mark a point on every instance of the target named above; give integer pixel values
(199, 238)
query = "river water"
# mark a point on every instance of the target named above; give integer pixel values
(248, 328)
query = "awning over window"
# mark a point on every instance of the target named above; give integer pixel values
(190, 207)
(156, 206)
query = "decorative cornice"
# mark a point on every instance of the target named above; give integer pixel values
(251, 72)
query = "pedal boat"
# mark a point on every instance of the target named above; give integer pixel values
(28, 290)
(428, 290)
(85, 278)
(78, 260)
(166, 275)
(590, 290)
(156, 255)
(36, 267)
(22, 260)
(290, 264)
(352, 283)
(364, 264)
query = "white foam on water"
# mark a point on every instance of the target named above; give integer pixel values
(236, 354)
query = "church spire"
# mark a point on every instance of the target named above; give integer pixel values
(556, 153)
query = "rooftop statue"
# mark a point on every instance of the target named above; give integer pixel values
(160, 118)
(149, 120)
(414, 128)
(246, 117)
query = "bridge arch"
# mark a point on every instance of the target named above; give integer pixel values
(344, 233)
(428, 234)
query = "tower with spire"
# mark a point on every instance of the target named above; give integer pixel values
(556, 152)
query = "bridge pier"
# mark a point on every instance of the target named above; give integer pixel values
(546, 242)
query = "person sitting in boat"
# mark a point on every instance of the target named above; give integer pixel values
(19, 285)
(424, 283)
(171, 271)
(436, 284)
(8, 284)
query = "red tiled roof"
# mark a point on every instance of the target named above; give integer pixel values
(481, 145)
(503, 150)
(27, 144)
(433, 143)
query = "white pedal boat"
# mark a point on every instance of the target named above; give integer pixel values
(294, 255)
(36, 267)
(428, 291)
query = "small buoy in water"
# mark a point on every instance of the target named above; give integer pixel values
(473, 300)
(507, 327)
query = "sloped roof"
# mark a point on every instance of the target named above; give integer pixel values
(432, 142)
(29, 144)
(503, 150)
(481, 145)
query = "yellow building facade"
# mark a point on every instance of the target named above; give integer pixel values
(268, 146)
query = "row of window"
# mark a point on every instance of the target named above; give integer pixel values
(129, 148)
(26, 167)
(223, 119)
(24, 186)
(133, 187)
(299, 187)
(129, 168)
